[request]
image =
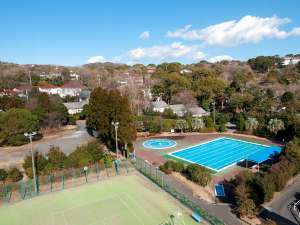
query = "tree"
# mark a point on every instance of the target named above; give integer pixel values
(41, 164)
(275, 125)
(14, 123)
(240, 122)
(56, 158)
(8, 102)
(181, 125)
(197, 124)
(3, 175)
(170, 84)
(246, 208)
(14, 175)
(287, 97)
(251, 124)
(106, 107)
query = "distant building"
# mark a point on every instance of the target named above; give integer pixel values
(69, 89)
(75, 107)
(159, 105)
(74, 76)
(151, 69)
(178, 109)
(185, 71)
(45, 76)
(197, 111)
(291, 60)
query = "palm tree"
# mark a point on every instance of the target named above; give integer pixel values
(251, 123)
(275, 125)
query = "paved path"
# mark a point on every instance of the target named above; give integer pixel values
(278, 208)
(67, 143)
(221, 211)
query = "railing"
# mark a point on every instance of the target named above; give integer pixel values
(159, 178)
(60, 180)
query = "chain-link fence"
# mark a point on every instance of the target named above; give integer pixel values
(160, 179)
(60, 180)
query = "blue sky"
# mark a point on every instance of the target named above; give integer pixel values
(75, 32)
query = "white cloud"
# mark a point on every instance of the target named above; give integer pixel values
(162, 52)
(97, 59)
(249, 29)
(145, 35)
(220, 58)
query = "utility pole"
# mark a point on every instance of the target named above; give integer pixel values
(30, 136)
(116, 126)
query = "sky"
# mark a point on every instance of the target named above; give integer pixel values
(74, 32)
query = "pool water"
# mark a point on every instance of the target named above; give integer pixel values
(221, 153)
(159, 143)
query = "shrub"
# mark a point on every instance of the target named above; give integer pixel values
(15, 175)
(154, 126)
(71, 120)
(167, 125)
(17, 140)
(198, 174)
(209, 123)
(108, 160)
(246, 208)
(40, 164)
(3, 175)
(56, 158)
(172, 165)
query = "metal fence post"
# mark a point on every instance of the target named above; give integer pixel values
(63, 182)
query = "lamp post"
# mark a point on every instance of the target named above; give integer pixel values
(116, 126)
(30, 136)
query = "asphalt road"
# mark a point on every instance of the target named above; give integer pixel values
(67, 143)
(279, 210)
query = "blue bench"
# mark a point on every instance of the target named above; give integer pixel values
(219, 190)
(196, 217)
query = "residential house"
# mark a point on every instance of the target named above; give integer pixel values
(178, 109)
(197, 111)
(288, 60)
(159, 105)
(151, 69)
(45, 76)
(75, 107)
(74, 76)
(69, 89)
(185, 71)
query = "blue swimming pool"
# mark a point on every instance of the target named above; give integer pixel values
(159, 143)
(221, 153)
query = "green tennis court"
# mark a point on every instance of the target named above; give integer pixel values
(121, 200)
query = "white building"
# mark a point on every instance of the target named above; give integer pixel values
(291, 60)
(75, 107)
(198, 111)
(159, 106)
(69, 89)
(178, 109)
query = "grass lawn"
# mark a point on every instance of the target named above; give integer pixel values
(121, 200)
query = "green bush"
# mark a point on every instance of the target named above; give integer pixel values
(3, 175)
(41, 164)
(198, 174)
(172, 165)
(56, 158)
(17, 140)
(15, 175)
(167, 125)
(71, 120)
